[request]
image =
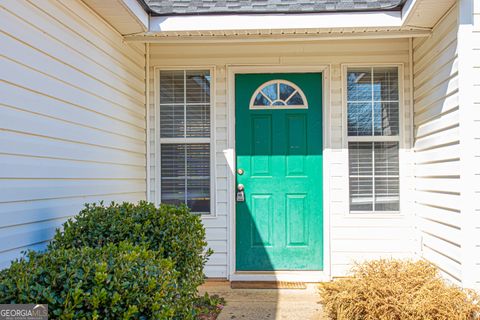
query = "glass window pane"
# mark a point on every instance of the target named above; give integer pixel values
(385, 83)
(261, 100)
(173, 173)
(198, 86)
(361, 194)
(271, 91)
(360, 158)
(374, 176)
(173, 160)
(198, 160)
(387, 194)
(173, 191)
(285, 91)
(296, 99)
(198, 121)
(359, 118)
(198, 177)
(373, 101)
(185, 113)
(386, 118)
(280, 94)
(171, 86)
(359, 84)
(186, 168)
(386, 159)
(172, 121)
(198, 198)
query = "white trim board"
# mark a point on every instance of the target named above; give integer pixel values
(231, 247)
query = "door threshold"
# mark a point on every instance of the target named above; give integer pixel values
(277, 276)
(268, 285)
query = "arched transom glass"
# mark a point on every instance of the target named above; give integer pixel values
(278, 94)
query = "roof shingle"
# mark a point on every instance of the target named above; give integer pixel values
(180, 7)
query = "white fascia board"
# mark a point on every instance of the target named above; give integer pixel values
(137, 11)
(276, 21)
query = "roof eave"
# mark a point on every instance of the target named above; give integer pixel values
(125, 16)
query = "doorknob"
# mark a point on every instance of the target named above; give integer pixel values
(240, 187)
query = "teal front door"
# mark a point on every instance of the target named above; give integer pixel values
(279, 196)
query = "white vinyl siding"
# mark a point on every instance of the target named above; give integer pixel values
(352, 238)
(437, 147)
(72, 119)
(476, 117)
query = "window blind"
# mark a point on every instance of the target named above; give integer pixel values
(374, 176)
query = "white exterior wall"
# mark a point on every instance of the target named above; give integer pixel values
(72, 118)
(352, 237)
(437, 146)
(447, 143)
(475, 59)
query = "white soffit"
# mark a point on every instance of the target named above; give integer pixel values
(126, 16)
(425, 13)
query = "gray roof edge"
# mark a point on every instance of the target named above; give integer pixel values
(152, 12)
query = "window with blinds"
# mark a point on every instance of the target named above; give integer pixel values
(185, 138)
(373, 139)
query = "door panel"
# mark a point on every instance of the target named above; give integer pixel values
(296, 144)
(262, 220)
(297, 234)
(261, 145)
(279, 226)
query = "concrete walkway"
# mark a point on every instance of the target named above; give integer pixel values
(258, 304)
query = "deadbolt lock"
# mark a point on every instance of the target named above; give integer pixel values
(240, 193)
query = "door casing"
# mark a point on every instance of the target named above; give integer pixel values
(308, 276)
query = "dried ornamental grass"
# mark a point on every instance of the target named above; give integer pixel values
(397, 290)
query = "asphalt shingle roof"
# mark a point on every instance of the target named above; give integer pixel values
(179, 7)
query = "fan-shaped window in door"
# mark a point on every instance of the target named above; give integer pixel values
(278, 94)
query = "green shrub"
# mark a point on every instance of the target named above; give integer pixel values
(397, 289)
(113, 282)
(172, 231)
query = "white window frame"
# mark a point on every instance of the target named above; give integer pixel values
(188, 140)
(399, 138)
(252, 105)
